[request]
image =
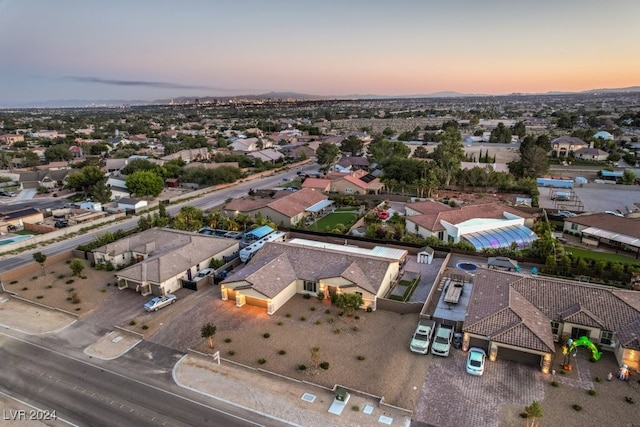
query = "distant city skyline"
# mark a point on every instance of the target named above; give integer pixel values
(139, 50)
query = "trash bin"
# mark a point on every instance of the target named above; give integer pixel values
(457, 340)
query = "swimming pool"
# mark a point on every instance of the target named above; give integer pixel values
(14, 239)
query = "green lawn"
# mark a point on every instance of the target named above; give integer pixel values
(330, 221)
(606, 256)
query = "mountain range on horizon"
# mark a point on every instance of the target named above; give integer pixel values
(71, 103)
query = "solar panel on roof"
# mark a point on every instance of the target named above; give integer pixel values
(368, 178)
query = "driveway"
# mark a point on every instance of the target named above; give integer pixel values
(451, 397)
(27, 194)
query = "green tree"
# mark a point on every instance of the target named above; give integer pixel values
(101, 192)
(58, 152)
(388, 132)
(520, 129)
(208, 331)
(534, 413)
(188, 219)
(352, 145)
(383, 149)
(327, 153)
(138, 164)
(76, 265)
(145, 183)
(40, 258)
(628, 177)
(501, 134)
(449, 154)
(29, 158)
(349, 302)
(85, 179)
(420, 152)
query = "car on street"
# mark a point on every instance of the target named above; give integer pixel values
(475, 361)
(383, 215)
(156, 303)
(203, 273)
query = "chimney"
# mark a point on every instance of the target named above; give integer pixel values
(144, 271)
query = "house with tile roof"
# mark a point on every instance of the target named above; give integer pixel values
(284, 208)
(11, 138)
(488, 225)
(319, 184)
(565, 145)
(591, 153)
(606, 229)
(358, 182)
(354, 163)
(521, 318)
(280, 270)
(47, 178)
(160, 259)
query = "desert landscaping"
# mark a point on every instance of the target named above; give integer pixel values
(367, 351)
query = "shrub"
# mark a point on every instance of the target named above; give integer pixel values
(324, 365)
(302, 367)
(262, 361)
(356, 317)
(327, 311)
(592, 392)
(145, 327)
(288, 315)
(49, 286)
(555, 384)
(598, 379)
(78, 308)
(628, 399)
(227, 340)
(132, 323)
(25, 288)
(60, 276)
(318, 322)
(524, 415)
(282, 352)
(306, 296)
(109, 266)
(355, 328)
(103, 290)
(68, 282)
(39, 296)
(302, 318)
(75, 299)
(312, 308)
(99, 266)
(360, 357)
(369, 309)
(563, 372)
(231, 352)
(34, 277)
(355, 408)
(279, 323)
(13, 282)
(266, 335)
(320, 296)
(337, 331)
(577, 407)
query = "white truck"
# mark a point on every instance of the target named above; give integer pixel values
(422, 336)
(442, 342)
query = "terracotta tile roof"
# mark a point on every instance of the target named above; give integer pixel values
(173, 261)
(276, 265)
(433, 219)
(549, 300)
(296, 202)
(608, 222)
(318, 183)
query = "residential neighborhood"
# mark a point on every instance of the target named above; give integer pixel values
(512, 236)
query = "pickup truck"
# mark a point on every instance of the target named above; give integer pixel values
(442, 342)
(422, 336)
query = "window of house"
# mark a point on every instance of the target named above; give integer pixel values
(449, 239)
(348, 190)
(606, 337)
(555, 328)
(310, 286)
(574, 226)
(441, 235)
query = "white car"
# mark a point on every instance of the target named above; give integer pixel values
(422, 337)
(475, 361)
(202, 274)
(157, 303)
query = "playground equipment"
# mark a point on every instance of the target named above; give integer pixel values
(571, 346)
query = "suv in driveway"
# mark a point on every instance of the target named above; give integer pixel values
(422, 336)
(202, 274)
(442, 342)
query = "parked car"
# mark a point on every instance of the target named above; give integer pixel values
(203, 273)
(422, 336)
(475, 361)
(383, 215)
(442, 342)
(157, 303)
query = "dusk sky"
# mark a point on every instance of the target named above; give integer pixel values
(147, 50)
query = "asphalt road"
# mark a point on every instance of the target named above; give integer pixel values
(83, 394)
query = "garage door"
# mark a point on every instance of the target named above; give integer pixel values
(505, 353)
(257, 302)
(477, 342)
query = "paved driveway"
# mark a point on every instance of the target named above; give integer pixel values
(451, 397)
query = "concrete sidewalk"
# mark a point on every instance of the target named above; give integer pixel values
(285, 400)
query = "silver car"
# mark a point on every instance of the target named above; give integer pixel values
(157, 303)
